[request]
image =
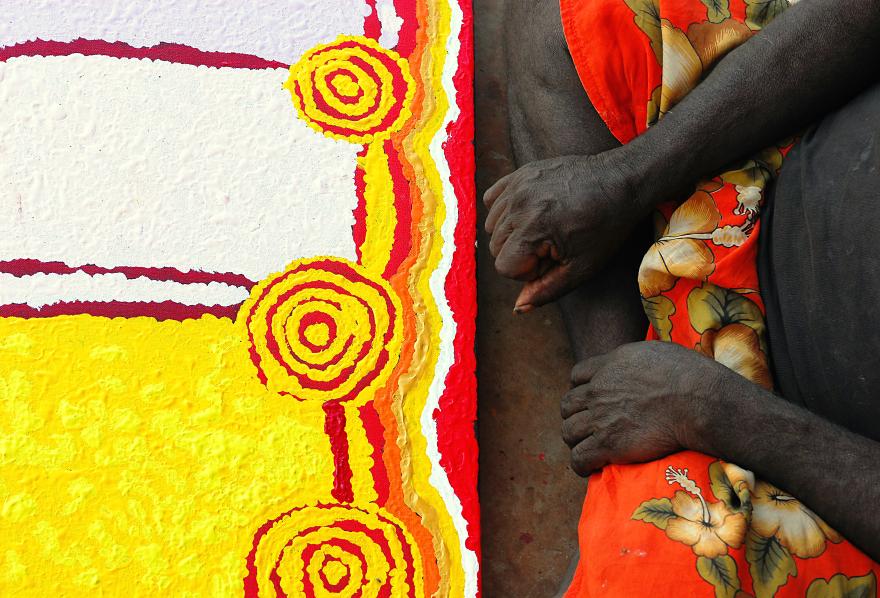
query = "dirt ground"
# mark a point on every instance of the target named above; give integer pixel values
(530, 499)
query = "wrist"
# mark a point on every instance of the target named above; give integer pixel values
(708, 411)
(655, 169)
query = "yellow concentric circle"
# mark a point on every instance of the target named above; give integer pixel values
(334, 550)
(352, 89)
(325, 329)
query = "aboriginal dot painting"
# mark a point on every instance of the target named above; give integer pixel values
(237, 299)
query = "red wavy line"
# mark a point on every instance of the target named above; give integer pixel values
(455, 417)
(372, 24)
(167, 52)
(29, 267)
(165, 310)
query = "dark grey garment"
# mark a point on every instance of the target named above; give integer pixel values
(819, 266)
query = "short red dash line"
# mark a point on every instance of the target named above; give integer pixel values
(334, 427)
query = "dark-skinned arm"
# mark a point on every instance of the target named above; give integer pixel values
(555, 223)
(808, 61)
(646, 400)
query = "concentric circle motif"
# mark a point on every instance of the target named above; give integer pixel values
(334, 550)
(326, 329)
(352, 89)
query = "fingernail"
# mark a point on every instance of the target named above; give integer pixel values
(523, 309)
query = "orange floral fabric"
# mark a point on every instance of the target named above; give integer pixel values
(689, 525)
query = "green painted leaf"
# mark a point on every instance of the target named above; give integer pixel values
(717, 10)
(770, 564)
(841, 586)
(721, 573)
(659, 309)
(759, 13)
(737, 500)
(657, 511)
(711, 307)
(647, 18)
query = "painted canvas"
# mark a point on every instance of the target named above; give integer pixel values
(237, 299)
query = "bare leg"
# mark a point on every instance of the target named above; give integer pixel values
(551, 115)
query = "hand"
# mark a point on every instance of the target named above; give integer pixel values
(555, 223)
(638, 403)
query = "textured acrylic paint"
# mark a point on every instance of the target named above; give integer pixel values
(237, 299)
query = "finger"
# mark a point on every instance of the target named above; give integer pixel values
(517, 258)
(500, 235)
(577, 428)
(549, 287)
(500, 208)
(588, 456)
(575, 400)
(584, 370)
(495, 191)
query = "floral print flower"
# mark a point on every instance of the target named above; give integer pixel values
(738, 347)
(708, 528)
(681, 252)
(802, 532)
(729, 236)
(749, 199)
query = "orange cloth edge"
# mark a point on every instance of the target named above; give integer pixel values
(573, 12)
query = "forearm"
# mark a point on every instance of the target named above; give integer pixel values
(830, 469)
(813, 57)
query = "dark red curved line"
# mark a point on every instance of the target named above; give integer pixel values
(166, 52)
(372, 24)
(346, 272)
(318, 365)
(29, 267)
(251, 588)
(311, 319)
(274, 348)
(403, 207)
(275, 578)
(343, 581)
(399, 88)
(161, 311)
(344, 99)
(272, 342)
(325, 108)
(334, 427)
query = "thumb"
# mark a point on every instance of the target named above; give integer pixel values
(550, 286)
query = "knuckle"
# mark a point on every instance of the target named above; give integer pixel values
(577, 466)
(568, 404)
(567, 433)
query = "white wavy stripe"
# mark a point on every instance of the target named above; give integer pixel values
(438, 476)
(391, 23)
(38, 290)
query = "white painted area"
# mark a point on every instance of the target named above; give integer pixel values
(391, 23)
(38, 290)
(138, 163)
(438, 477)
(273, 29)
